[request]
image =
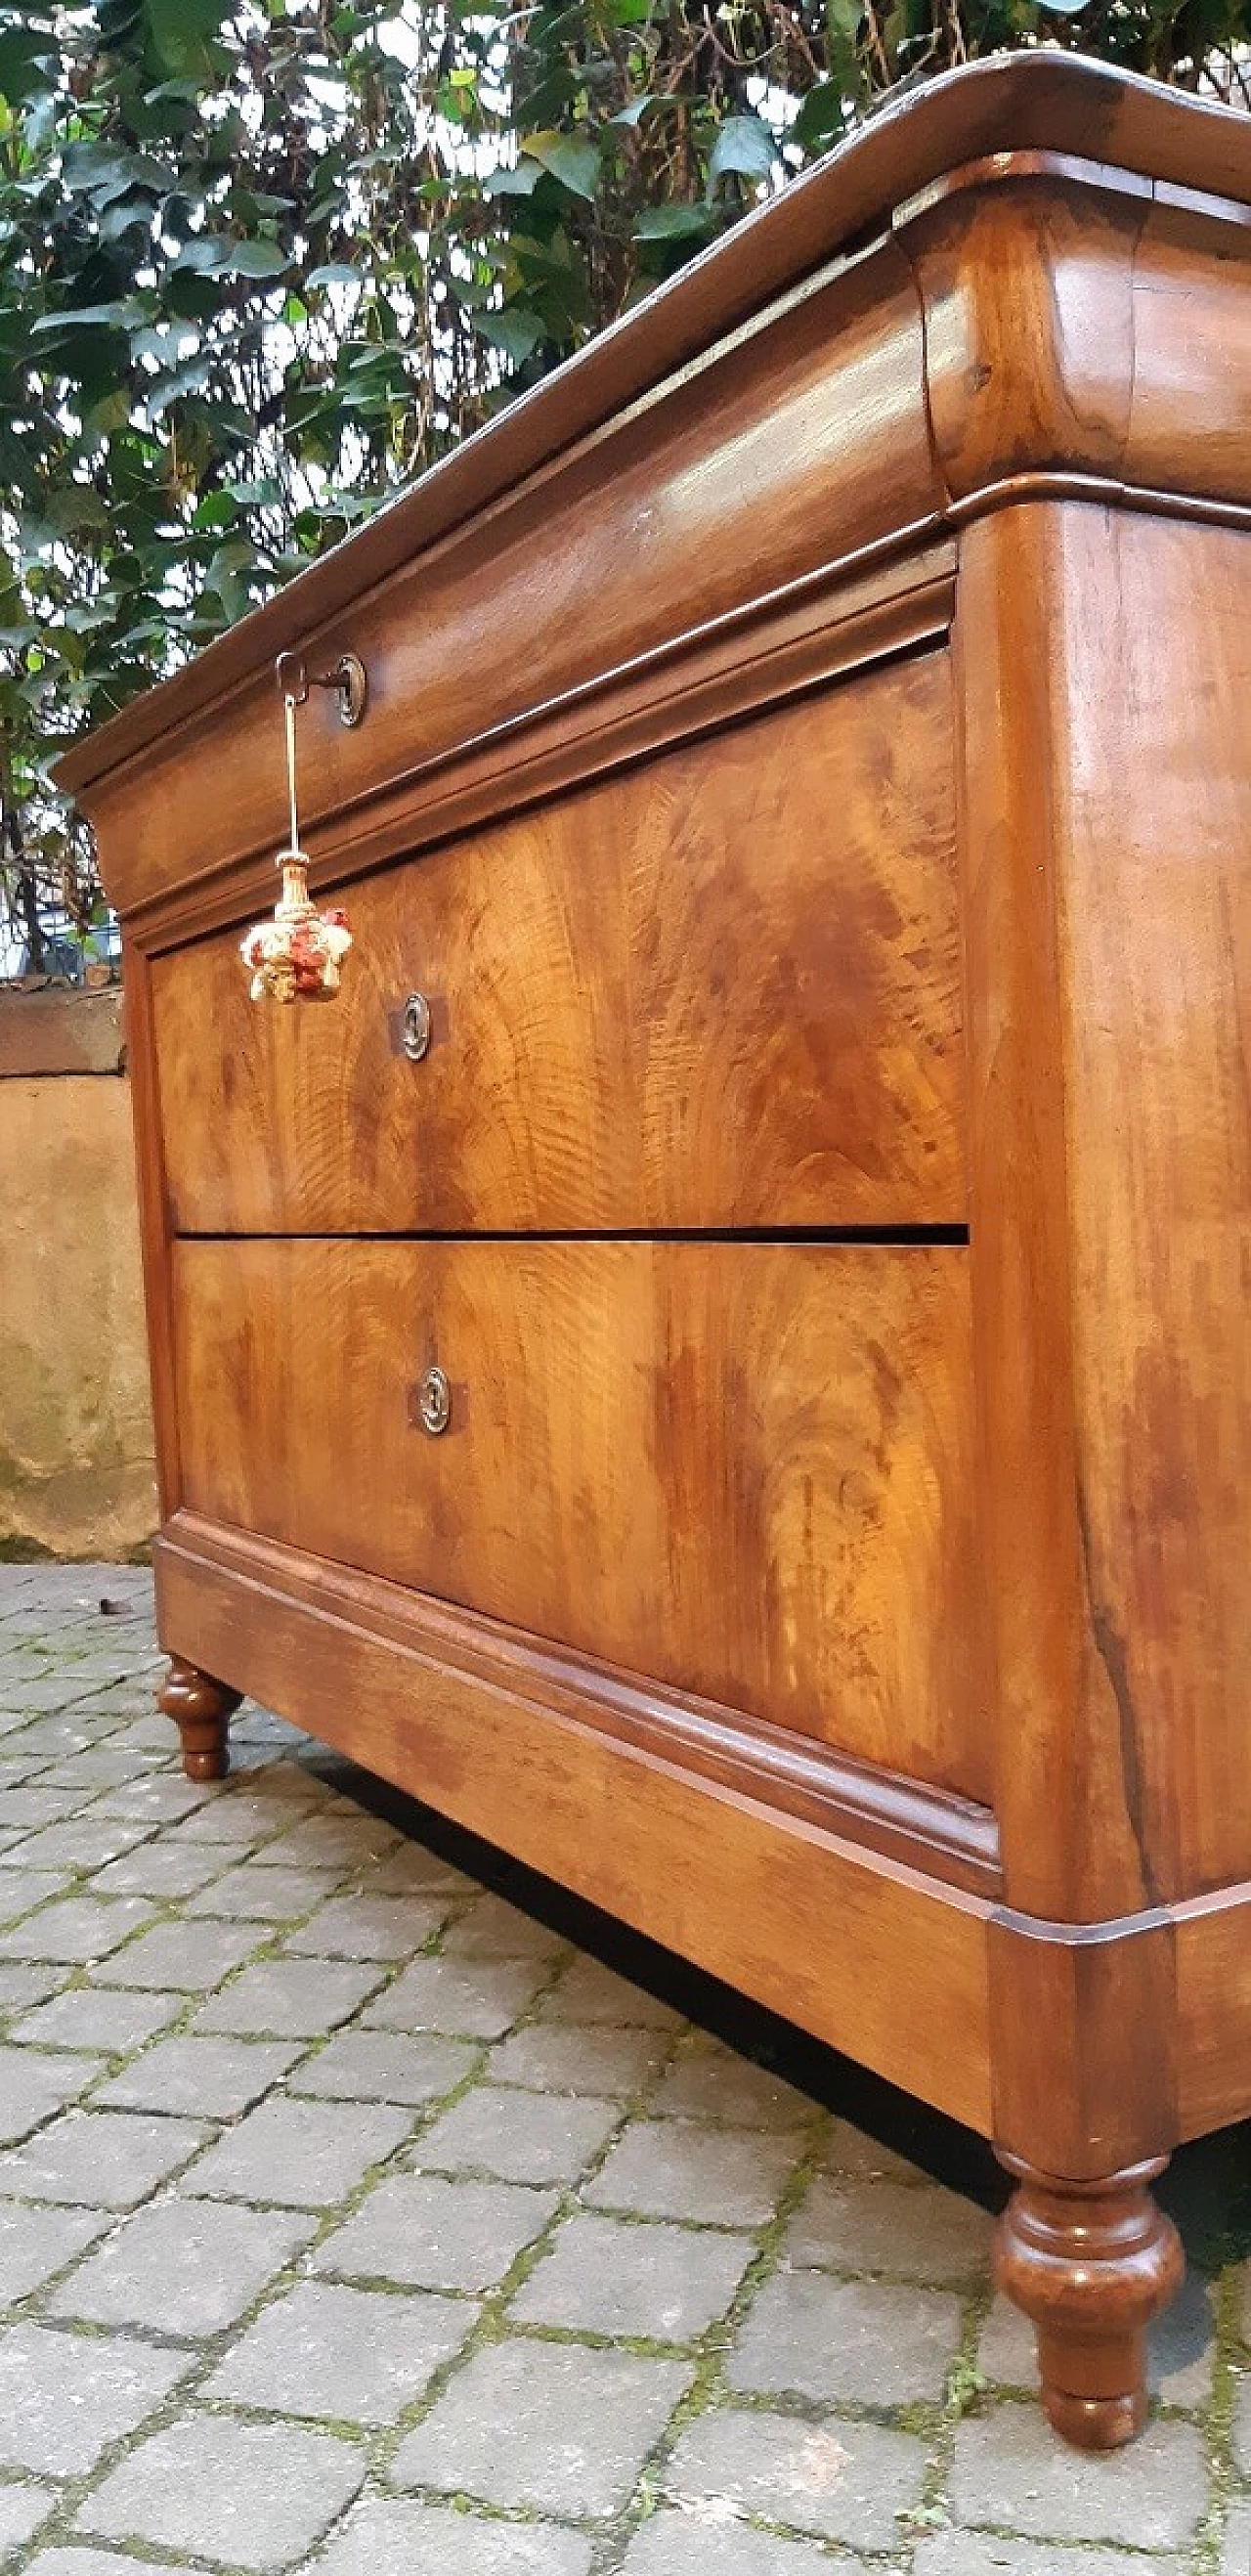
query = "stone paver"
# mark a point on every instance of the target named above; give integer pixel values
(29, 1807)
(610, 2278)
(432, 2540)
(65, 2397)
(353, 2222)
(21, 1890)
(162, 1869)
(412, 1870)
(437, 2235)
(493, 1929)
(672, 2169)
(33, 2085)
(112, 2159)
(302, 2154)
(470, 2001)
(368, 1927)
(87, 2018)
(183, 2267)
(834, 2339)
(1149, 2496)
(837, 2481)
(386, 2066)
(676, 2544)
(26, 1984)
(914, 2230)
(214, 2078)
(353, 2356)
(165, 1798)
(564, 2057)
(972, 2553)
(36, 2242)
(558, 2427)
(1236, 2558)
(590, 1992)
(708, 2082)
(77, 1929)
(255, 2495)
(289, 1998)
(259, 1895)
(339, 1837)
(97, 2562)
(22, 2508)
(522, 2137)
(85, 1843)
(194, 1957)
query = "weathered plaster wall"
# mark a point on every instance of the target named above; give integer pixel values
(76, 1460)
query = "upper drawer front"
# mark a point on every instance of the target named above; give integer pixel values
(718, 991)
(742, 1469)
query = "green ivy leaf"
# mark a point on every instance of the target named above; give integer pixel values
(745, 146)
(519, 181)
(253, 259)
(517, 334)
(76, 506)
(576, 165)
(821, 118)
(126, 315)
(95, 170)
(199, 256)
(633, 114)
(29, 63)
(673, 223)
(842, 27)
(110, 413)
(181, 32)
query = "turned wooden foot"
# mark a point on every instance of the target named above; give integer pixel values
(201, 1710)
(1090, 2263)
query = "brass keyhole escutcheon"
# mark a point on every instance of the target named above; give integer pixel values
(416, 1027)
(434, 1402)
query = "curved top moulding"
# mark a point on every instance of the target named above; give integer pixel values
(922, 314)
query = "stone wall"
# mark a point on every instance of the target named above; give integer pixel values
(76, 1458)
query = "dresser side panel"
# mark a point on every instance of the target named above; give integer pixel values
(147, 1111)
(1059, 1792)
(1105, 789)
(1152, 685)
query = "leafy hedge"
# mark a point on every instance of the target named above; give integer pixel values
(259, 264)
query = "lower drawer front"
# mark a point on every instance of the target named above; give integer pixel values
(741, 1469)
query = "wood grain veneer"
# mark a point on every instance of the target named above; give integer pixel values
(828, 1188)
(741, 1468)
(722, 992)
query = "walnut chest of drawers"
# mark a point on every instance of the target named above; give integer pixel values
(721, 1360)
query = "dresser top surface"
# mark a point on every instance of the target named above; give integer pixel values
(988, 121)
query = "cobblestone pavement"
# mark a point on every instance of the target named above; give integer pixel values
(355, 2218)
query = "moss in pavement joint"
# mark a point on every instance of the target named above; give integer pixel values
(1218, 2427)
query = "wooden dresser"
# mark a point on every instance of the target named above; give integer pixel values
(721, 1358)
